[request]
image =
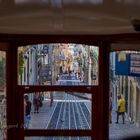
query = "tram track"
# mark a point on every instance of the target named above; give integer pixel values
(71, 113)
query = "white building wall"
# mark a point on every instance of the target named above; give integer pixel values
(24, 75)
(132, 98)
(32, 67)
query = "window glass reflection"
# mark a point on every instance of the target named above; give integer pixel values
(58, 64)
(31, 1)
(128, 1)
(58, 2)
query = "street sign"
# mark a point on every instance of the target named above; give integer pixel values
(127, 64)
(122, 64)
(134, 64)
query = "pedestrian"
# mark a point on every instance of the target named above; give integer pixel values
(120, 108)
(27, 118)
(110, 108)
(40, 98)
(57, 78)
(51, 99)
(36, 103)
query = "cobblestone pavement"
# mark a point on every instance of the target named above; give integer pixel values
(120, 130)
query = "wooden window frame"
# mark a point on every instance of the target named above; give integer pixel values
(93, 90)
(15, 92)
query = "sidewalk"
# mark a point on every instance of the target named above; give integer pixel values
(120, 131)
(40, 120)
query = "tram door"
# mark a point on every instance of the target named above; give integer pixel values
(57, 91)
(126, 81)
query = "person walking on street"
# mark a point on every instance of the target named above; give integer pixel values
(51, 99)
(36, 103)
(121, 108)
(27, 111)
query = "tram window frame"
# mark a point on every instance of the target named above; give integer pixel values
(84, 39)
(94, 80)
(54, 132)
(15, 40)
